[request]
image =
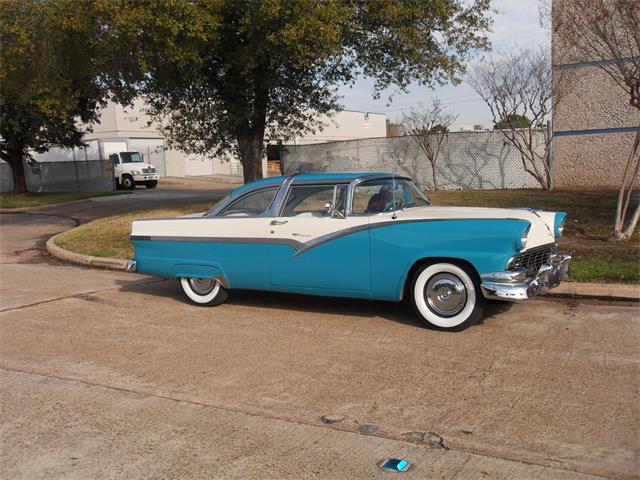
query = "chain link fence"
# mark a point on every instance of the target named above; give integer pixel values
(466, 160)
(66, 176)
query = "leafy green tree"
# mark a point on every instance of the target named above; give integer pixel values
(227, 75)
(53, 78)
(513, 120)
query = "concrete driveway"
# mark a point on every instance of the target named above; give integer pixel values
(114, 375)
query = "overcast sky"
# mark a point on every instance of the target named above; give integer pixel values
(515, 24)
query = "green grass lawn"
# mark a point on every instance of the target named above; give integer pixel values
(109, 237)
(587, 231)
(23, 200)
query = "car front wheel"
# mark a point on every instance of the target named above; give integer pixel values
(204, 291)
(127, 182)
(447, 297)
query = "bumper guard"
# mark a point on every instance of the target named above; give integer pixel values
(515, 285)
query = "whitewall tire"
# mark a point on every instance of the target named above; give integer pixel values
(204, 291)
(446, 296)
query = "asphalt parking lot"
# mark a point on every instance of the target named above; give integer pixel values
(114, 375)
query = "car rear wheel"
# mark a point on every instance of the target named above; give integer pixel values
(447, 296)
(204, 291)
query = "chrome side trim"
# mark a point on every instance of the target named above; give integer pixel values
(371, 226)
(330, 236)
(247, 240)
(302, 247)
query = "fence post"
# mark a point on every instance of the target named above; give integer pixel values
(550, 154)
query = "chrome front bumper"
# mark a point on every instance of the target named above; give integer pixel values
(517, 284)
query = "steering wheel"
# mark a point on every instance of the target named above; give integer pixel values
(388, 207)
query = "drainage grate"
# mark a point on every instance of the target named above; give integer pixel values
(368, 428)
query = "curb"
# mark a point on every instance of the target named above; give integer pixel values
(597, 291)
(88, 260)
(36, 208)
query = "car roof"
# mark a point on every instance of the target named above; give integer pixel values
(308, 177)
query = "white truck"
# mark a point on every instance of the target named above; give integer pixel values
(130, 169)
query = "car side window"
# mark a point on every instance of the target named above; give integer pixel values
(384, 195)
(251, 205)
(373, 196)
(311, 200)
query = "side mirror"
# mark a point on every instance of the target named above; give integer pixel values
(331, 210)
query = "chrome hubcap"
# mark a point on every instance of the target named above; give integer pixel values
(202, 286)
(446, 294)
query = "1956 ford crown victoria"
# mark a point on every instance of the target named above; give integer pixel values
(360, 235)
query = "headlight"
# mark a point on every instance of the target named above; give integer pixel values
(135, 172)
(558, 224)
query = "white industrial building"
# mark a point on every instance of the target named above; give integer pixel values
(126, 129)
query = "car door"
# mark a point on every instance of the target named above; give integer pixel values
(239, 239)
(310, 248)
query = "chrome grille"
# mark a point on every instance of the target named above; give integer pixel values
(532, 259)
(149, 170)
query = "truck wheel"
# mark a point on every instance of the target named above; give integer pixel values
(447, 297)
(151, 184)
(127, 182)
(204, 291)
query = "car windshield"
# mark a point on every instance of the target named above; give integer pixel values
(131, 157)
(377, 196)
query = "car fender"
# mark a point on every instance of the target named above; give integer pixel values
(190, 270)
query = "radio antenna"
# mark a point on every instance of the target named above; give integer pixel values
(394, 216)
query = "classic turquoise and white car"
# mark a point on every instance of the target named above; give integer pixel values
(359, 235)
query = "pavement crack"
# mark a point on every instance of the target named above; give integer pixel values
(79, 296)
(429, 436)
(425, 438)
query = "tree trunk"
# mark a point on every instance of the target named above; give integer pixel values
(17, 171)
(620, 233)
(250, 144)
(433, 175)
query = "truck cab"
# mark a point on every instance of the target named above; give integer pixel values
(130, 169)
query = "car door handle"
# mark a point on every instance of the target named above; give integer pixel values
(278, 222)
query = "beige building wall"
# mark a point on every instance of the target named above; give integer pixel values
(119, 125)
(345, 125)
(593, 123)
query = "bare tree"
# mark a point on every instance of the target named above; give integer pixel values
(428, 126)
(515, 84)
(607, 33)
